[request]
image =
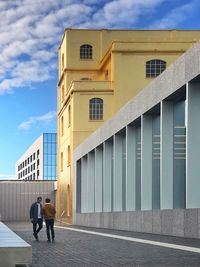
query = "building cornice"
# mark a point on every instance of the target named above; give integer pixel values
(72, 91)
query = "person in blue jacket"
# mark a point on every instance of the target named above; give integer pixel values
(36, 217)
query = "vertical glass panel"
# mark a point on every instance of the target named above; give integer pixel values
(49, 159)
(53, 160)
(156, 162)
(49, 171)
(138, 167)
(55, 138)
(112, 172)
(179, 179)
(45, 159)
(49, 138)
(45, 172)
(54, 171)
(45, 138)
(49, 148)
(123, 172)
(53, 149)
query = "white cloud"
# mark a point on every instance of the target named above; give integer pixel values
(46, 118)
(32, 30)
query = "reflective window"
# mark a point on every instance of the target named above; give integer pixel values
(50, 156)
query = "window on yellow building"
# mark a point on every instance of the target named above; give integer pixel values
(69, 116)
(96, 109)
(61, 161)
(62, 63)
(68, 156)
(154, 67)
(62, 125)
(106, 74)
(63, 93)
(86, 51)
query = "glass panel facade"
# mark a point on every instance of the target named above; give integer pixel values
(124, 172)
(179, 155)
(138, 168)
(156, 162)
(50, 156)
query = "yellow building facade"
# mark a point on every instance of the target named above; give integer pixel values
(99, 71)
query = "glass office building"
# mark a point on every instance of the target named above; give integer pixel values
(39, 162)
(50, 158)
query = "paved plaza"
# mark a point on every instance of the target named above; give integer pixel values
(81, 246)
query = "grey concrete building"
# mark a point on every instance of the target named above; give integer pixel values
(140, 171)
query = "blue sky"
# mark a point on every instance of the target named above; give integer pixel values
(30, 33)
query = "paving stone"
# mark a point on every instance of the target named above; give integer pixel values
(76, 249)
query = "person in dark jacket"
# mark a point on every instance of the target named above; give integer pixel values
(36, 217)
(49, 212)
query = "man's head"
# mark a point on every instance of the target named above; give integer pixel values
(47, 200)
(39, 199)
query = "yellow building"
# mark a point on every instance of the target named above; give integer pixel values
(99, 71)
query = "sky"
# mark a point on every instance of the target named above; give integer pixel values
(30, 34)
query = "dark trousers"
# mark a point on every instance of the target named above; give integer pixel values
(35, 229)
(50, 227)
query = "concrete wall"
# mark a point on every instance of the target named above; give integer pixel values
(176, 222)
(16, 198)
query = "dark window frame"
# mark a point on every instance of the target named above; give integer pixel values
(155, 67)
(86, 51)
(95, 109)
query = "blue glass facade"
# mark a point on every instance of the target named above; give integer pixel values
(50, 156)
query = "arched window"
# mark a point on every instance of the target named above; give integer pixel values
(155, 67)
(62, 125)
(63, 93)
(62, 64)
(68, 156)
(86, 51)
(96, 109)
(69, 116)
(61, 161)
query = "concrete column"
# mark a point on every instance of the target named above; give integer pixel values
(117, 178)
(146, 171)
(107, 175)
(166, 156)
(84, 183)
(130, 168)
(91, 179)
(192, 145)
(98, 178)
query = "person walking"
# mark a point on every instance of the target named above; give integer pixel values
(49, 212)
(36, 217)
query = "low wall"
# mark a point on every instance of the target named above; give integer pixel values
(177, 222)
(16, 197)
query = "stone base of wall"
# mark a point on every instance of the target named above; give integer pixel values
(177, 222)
